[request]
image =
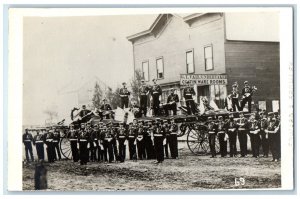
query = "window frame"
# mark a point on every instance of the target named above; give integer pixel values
(212, 57)
(163, 67)
(186, 64)
(148, 78)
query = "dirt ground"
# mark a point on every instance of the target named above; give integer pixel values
(189, 172)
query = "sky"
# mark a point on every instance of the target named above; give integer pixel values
(59, 50)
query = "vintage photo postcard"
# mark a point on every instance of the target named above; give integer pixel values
(150, 99)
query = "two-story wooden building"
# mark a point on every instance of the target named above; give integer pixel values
(204, 46)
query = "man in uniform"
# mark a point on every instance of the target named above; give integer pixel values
(27, 139)
(155, 93)
(212, 130)
(221, 131)
(50, 147)
(242, 134)
(84, 113)
(132, 134)
(188, 93)
(148, 130)
(232, 134)
(38, 141)
(140, 141)
(167, 127)
(56, 139)
(101, 136)
(83, 140)
(124, 94)
(235, 98)
(173, 142)
(263, 124)
(73, 138)
(172, 101)
(108, 144)
(106, 109)
(94, 142)
(273, 131)
(254, 136)
(143, 91)
(247, 96)
(159, 136)
(121, 137)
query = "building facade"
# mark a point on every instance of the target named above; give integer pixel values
(196, 44)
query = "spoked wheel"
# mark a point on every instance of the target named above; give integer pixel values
(197, 140)
(65, 148)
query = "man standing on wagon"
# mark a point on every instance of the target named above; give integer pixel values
(155, 93)
(124, 94)
(143, 91)
(188, 93)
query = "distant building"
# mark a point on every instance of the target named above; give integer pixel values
(206, 44)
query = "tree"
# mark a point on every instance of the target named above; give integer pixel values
(136, 83)
(97, 96)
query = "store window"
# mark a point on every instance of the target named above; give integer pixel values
(190, 61)
(218, 94)
(160, 68)
(208, 58)
(145, 70)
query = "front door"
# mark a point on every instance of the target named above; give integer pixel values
(203, 91)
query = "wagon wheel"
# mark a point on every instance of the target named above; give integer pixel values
(65, 148)
(197, 140)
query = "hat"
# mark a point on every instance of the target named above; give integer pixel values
(104, 99)
(83, 106)
(220, 117)
(82, 124)
(234, 85)
(273, 119)
(124, 83)
(241, 113)
(165, 121)
(209, 118)
(245, 82)
(142, 80)
(172, 89)
(130, 123)
(270, 114)
(157, 119)
(141, 121)
(154, 79)
(230, 115)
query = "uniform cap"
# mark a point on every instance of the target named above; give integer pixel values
(220, 117)
(124, 83)
(270, 114)
(153, 79)
(209, 118)
(142, 80)
(165, 121)
(241, 113)
(245, 82)
(273, 119)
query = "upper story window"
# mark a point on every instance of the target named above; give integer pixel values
(208, 58)
(160, 68)
(145, 70)
(190, 61)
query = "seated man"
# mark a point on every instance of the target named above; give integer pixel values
(135, 109)
(106, 110)
(171, 103)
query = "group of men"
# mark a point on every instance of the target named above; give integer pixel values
(149, 139)
(263, 131)
(50, 138)
(247, 92)
(155, 92)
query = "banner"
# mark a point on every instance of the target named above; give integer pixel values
(207, 79)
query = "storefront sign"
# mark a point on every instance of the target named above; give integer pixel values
(198, 79)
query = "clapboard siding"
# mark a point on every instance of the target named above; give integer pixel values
(257, 62)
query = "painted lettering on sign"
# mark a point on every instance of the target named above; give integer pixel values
(199, 79)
